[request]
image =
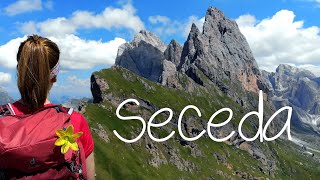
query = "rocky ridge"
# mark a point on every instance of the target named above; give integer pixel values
(221, 52)
(219, 55)
(143, 56)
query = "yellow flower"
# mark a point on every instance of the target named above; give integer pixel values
(67, 139)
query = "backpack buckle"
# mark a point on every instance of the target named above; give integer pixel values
(34, 163)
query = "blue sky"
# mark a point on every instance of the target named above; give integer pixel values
(89, 32)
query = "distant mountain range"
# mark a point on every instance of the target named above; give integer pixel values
(298, 88)
(4, 97)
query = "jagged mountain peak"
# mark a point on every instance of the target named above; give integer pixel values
(149, 38)
(4, 96)
(143, 56)
(173, 52)
(193, 35)
(173, 42)
(294, 71)
(221, 52)
(215, 13)
(194, 28)
(216, 25)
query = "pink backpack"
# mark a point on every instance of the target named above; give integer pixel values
(27, 149)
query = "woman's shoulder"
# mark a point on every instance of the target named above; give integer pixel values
(78, 121)
(19, 108)
(76, 116)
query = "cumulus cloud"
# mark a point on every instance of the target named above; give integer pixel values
(193, 19)
(29, 28)
(5, 77)
(54, 27)
(110, 18)
(313, 68)
(124, 17)
(282, 40)
(22, 6)
(76, 53)
(8, 52)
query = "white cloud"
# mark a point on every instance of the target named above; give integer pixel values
(76, 53)
(246, 21)
(56, 27)
(29, 28)
(5, 77)
(124, 17)
(8, 52)
(22, 6)
(282, 40)
(312, 68)
(193, 19)
(109, 18)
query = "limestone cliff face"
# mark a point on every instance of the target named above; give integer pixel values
(143, 56)
(98, 86)
(221, 52)
(173, 52)
(150, 58)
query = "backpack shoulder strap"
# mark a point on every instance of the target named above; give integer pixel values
(60, 108)
(6, 110)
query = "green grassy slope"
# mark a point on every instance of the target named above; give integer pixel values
(118, 160)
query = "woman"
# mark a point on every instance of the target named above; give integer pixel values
(37, 69)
